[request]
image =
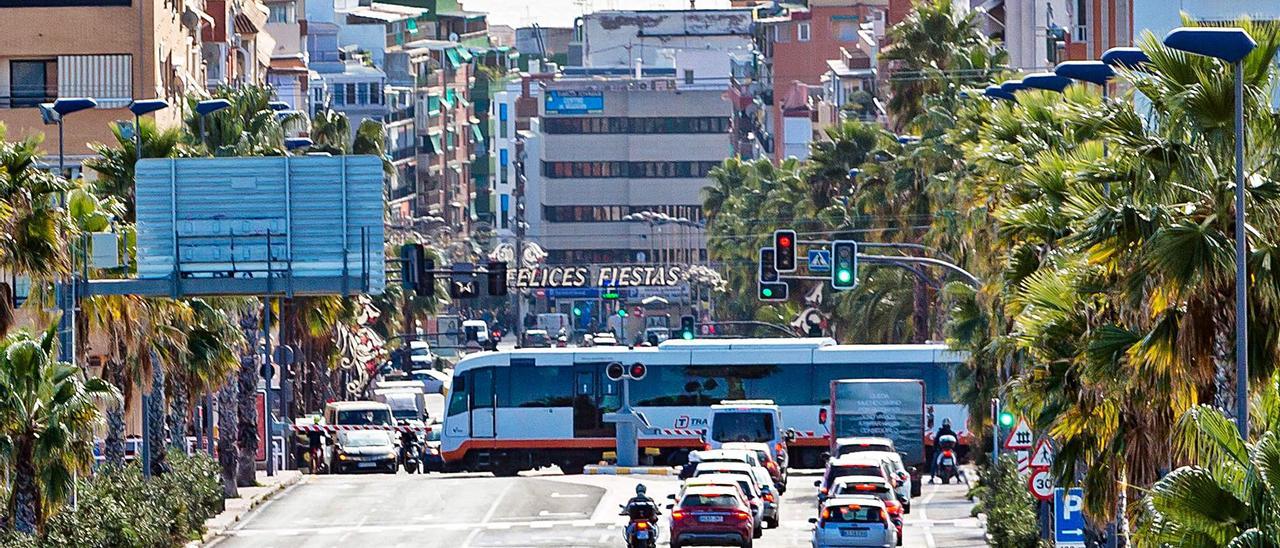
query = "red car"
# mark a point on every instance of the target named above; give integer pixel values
(711, 516)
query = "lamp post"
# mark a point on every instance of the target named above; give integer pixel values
(1047, 81)
(1130, 58)
(293, 143)
(995, 92)
(139, 108)
(1231, 45)
(205, 108)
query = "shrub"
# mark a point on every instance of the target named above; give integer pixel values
(1010, 508)
(118, 507)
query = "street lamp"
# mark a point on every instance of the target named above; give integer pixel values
(1232, 45)
(140, 108)
(279, 106)
(1094, 72)
(1013, 86)
(1130, 58)
(205, 108)
(995, 92)
(1047, 81)
(53, 114)
(292, 143)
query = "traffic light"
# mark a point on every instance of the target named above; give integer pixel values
(577, 311)
(615, 371)
(497, 278)
(687, 325)
(410, 256)
(784, 248)
(426, 281)
(844, 267)
(1006, 419)
(768, 286)
(622, 312)
(637, 371)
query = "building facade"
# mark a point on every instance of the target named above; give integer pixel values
(603, 149)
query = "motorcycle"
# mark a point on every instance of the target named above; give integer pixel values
(642, 527)
(410, 453)
(947, 466)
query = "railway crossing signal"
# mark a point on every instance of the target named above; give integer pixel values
(784, 248)
(844, 273)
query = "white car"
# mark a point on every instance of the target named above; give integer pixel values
(903, 488)
(861, 522)
(859, 444)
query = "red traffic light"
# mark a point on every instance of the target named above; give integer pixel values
(784, 241)
(637, 371)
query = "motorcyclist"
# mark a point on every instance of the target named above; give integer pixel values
(944, 430)
(641, 507)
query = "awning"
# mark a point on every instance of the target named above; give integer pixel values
(465, 54)
(433, 105)
(244, 25)
(447, 100)
(475, 132)
(432, 144)
(454, 58)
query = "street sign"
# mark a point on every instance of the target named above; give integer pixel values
(1024, 462)
(1068, 517)
(1042, 457)
(1021, 437)
(819, 260)
(1041, 484)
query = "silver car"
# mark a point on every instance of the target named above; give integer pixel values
(859, 522)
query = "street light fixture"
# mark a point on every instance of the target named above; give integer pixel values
(139, 108)
(996, 92)
(1094, 72)
(279, 106)
(292, 143)
(205, 108)
(1130, 58)
(1047, 81)
(1232, 45)
(1013, 86)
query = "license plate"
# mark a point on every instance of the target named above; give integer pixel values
(642, 535)
(366, 464)
(858, 533)
(947, 462)
(711, 519)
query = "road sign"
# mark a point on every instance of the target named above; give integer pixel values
(1042, 457)
(1068, 517)
(1021, 437)
(1024, 463)
(819, 260)
(1041, 484)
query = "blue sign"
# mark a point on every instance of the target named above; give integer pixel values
(1068, 517)
(819, 260)
(574, 102)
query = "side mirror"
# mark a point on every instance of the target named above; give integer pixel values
(813, 521)
(817, 483)
(791, 435)
(670, 506)
(671, 496)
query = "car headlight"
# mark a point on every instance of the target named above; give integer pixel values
(392, 455)
(342, 455)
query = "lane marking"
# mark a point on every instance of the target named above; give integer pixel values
(548, 513)
(569, 495)
(493, 509)
(924, 516)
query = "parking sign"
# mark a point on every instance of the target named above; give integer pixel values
(1068, 517)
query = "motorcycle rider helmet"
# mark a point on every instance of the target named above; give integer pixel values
(640, 490)
(946, 423)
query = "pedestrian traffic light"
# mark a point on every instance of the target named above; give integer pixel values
(844, 268)
(497, 278)
(784, 248)
(768, 286)
(577, 311)
(687, 325)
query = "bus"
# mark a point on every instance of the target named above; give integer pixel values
(530, 408)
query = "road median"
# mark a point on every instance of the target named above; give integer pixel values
(610, 470)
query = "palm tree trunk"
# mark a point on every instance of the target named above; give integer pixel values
(6, 308)
(156, 426)
(1224, 375)
(920, 309)
(178, 412)
(248, 389)
(113, 445)
(26, 494)
(228, 430)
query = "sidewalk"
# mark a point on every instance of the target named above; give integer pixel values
(250, 498)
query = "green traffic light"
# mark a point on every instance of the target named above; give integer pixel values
(767, 292)
(1006, 419)
(844, 276)
(577, 311)
(688, 336)
(622, 312)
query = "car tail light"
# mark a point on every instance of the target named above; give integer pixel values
(771, 466)
(823, 490)
(706, 447)
(779, 447)
(893, 506)
(741, 515)
(864, 487)
(884, 516)
(768, 497)
(642, 525)
(677, 515)
(826, 514)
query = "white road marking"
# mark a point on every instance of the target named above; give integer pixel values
(924, 516)
(548, 514)
(569, 495)
(493, 509)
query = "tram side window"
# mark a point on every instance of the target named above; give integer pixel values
(458, 395)
(539, 387)
(710, 384)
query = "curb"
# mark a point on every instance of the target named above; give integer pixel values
(600, 470)
(254, 502)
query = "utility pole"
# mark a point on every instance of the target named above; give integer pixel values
(520, 235)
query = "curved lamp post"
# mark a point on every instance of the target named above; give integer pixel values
(995, 92)
(1130, 58)
(1094, 72)
(140, 108)
(1047, 81)
(205, 108)
(1231, 45)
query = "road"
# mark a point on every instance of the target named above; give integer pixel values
(535, 509)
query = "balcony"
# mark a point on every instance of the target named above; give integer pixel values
(403, 153)
(400, 193)
(401, 114)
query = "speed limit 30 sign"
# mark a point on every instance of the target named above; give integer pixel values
(1041, 484)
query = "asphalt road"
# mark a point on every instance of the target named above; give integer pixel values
(535, 509)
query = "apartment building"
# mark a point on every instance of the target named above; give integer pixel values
(705, 47)
(111, 50)
(604, 148)
(235, 45)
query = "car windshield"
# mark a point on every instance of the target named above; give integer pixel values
(404, 414)
(745, 427)
(856, 470)
(851, 513)
(364, 416)
(364, 439)
(864, 489)
(862, 448)
(718, 501)
(537, 338)
(420, 351)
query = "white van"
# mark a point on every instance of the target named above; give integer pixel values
(750, 421)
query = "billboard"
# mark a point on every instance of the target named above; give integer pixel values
(242, 225)
(887, 408)
(565, 101)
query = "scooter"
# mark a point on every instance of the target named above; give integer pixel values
(411, 454)
(947, 467)
(641, 530)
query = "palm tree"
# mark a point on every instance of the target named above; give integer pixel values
(115, 164)
(47, 416)
(31, 227)
(331, 131)
(213, 343)
(249, 127)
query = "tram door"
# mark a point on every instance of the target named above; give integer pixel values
(593, 396)
(484, 403)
